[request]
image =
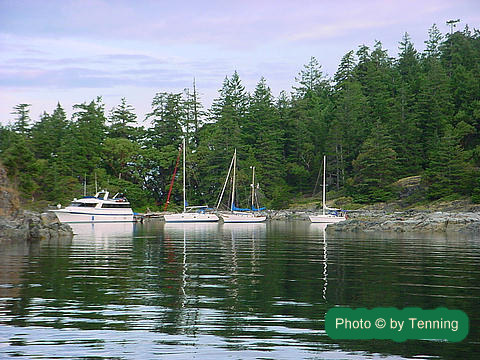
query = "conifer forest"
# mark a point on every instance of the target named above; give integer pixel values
(378, 119)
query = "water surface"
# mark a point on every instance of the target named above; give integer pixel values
(226, 291)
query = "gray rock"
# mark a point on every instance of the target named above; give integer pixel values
(33, 227)
(410, 221)
(16, 225)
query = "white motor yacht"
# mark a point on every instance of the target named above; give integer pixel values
(98, 208)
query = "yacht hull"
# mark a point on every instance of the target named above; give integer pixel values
(242, 218)
(326, 219)
(66, 216)
(190, 217)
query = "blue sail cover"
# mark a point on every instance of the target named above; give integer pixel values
(260, 209)
(234, 208)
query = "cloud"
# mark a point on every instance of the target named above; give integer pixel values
(60, 49)
(106, 71)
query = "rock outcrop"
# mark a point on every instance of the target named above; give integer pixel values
(16, 224)
(411, 221)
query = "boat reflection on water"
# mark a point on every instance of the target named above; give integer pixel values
(244, 230)
(103, 231)
(194, 230)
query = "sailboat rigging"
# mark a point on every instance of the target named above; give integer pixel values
(333, 215)
(190, 213)
(236, 214)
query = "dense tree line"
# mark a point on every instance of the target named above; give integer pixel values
(378, 119)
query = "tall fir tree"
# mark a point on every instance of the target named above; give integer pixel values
(167, 116)
(374, 169)
(266, 137)
(307, 129)
(49, 132)
(83, 148)
(448, 171)
(22, 121)
(122, 121)
(404, 122)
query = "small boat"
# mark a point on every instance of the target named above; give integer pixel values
(241, 217)
(190, 213)
(333, 215)
(98, 208)
(237, 215)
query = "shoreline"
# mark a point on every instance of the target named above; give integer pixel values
(412, 220)
(32, 226)
(396, 221)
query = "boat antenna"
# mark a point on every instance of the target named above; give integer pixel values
(85, 185)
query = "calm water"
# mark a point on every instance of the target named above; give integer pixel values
(232, 291)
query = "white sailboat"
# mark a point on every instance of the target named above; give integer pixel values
(335, 215)
(236, 216)
(190, 213)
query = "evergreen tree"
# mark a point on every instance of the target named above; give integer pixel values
(433, 43)
(22, 166)
(404, 122)
(118, 154)
(22, 121)
(82, 149)
(433, 107)
(266, 137)
(350, 127)
(377, 119)
(195, 116)
(376, 76)
(167, 116)
(49, 132)
(122, 120)
(7, 137)
(374, 169)
(219, 138)
(345, 71)
(447, 171)
(307, 129)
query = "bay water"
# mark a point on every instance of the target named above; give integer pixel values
(227, 291)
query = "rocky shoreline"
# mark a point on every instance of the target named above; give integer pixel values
(19, 225)
(31, 226)
(397, 221)
(411, 221)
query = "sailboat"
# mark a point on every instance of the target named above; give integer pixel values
(238, 215)
(190, 213)
(333, 215)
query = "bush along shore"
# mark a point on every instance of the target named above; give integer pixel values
(17, 224)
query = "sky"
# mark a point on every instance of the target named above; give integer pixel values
(71, 51)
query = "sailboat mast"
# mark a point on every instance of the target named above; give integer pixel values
(184, 173)
(234, 174)
(253, 186)
(324, 185)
